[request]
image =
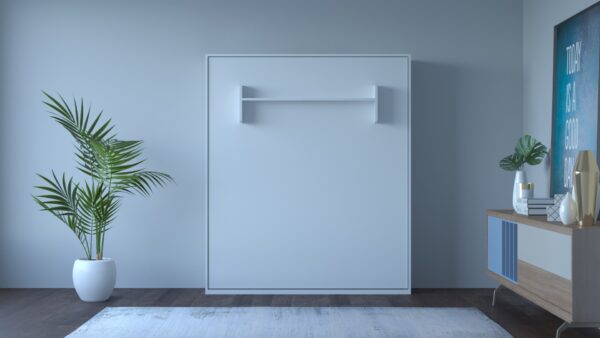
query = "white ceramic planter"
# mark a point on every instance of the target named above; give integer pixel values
(520, 177)
(94, 280)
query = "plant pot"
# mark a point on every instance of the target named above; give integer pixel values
(520, 177)
(94, 280)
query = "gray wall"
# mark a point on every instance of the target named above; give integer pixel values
(143, 63)
(539, 19)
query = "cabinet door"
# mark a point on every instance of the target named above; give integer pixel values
(308, 195)
(495, 245)
(502, 248)
(547, 250)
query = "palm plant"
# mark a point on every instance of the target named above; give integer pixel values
(113, 168)
(527, 151)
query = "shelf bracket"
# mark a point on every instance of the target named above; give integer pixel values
(241, 104)
(376, 104)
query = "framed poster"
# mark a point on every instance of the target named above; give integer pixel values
(575, 94)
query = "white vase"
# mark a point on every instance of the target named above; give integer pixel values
(520, 177)
(94, 280)
(568, 209)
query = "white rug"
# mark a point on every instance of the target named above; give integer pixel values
(262, 322)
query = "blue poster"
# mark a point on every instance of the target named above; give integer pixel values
(576, 75)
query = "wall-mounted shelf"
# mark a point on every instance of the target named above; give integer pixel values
(372, 99)
(267, 99)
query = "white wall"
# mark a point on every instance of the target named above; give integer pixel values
(539, 19)
(143, 63)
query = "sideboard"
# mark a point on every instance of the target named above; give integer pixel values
(554, 266)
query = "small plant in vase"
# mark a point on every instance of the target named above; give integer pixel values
(527, 151)
(112, 168)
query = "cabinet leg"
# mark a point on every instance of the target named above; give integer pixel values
(494, 294)
(566, 325)
(561, 328)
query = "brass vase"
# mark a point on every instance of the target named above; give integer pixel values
(585, 187)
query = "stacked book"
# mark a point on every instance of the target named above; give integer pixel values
(534, 206)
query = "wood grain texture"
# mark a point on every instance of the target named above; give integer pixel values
(57, 312)
(536, 221)
(548, 286)
(536, 299)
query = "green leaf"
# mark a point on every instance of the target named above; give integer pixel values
(531, 150)
(113, 166)
(512, 162)
(61, 198)
(527, 150)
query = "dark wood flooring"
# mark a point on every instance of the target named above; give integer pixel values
(57, 312)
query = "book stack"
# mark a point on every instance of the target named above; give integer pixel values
(534, 206)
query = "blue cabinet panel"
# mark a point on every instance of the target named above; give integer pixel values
(502, 248)
(509, 255)
(495, 245)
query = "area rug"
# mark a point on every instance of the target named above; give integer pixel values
(238, 322)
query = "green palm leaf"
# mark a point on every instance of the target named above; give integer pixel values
(61, 199)
(113, 167)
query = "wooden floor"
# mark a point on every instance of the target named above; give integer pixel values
(57, 312)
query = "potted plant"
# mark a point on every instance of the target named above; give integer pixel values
(112, 168)
(527, 151)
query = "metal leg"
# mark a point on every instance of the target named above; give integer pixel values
(494, 295)
(566, 325)
(561, 328)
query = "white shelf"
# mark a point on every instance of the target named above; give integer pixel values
(374, 99)
(268, 99)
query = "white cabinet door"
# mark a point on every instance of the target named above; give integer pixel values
(548, 250)
(308, 196)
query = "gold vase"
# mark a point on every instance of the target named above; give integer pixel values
(585, 187)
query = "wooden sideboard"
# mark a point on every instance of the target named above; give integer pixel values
(555, 266)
